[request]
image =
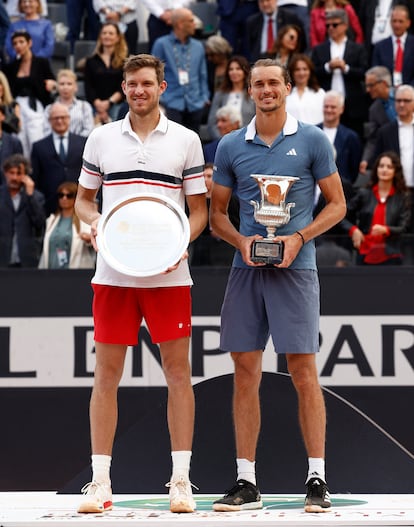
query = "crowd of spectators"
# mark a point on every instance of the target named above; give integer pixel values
(352, 75)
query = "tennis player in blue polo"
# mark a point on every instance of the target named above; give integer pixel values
(280, 300)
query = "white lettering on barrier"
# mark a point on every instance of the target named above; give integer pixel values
(59, 352)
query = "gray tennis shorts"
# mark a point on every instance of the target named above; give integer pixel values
(283, 303)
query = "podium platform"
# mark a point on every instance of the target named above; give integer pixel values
(42, 509)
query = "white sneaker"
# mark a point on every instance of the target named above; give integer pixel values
(97, 497)
(181, 495)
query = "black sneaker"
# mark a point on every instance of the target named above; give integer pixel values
(243, 496)
(317, 496)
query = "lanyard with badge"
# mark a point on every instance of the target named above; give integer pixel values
(183, 69)
(381, 19)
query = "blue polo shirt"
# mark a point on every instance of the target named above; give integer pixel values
(189, 57)
(300, 150)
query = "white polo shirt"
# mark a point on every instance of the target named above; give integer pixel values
(169, 162)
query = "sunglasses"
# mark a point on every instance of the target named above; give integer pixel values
(69, 195)
(333, 24)
(371, 84)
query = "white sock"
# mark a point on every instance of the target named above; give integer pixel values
(181, 464)
(316, 468)
(101, 466)
(246, 470)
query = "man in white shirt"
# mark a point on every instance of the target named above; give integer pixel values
(144, 152)
(340, 65)
(398, 136)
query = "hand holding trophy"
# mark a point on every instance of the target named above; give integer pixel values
(272, 212)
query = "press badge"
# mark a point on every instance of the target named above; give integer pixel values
(62, 257)
(183, 77)
(381, 25)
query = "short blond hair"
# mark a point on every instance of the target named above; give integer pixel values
(66, 72)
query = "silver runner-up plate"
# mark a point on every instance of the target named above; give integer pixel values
(143, 235)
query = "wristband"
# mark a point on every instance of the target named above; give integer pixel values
(301, 237)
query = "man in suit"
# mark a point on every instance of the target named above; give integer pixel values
(340, 65)
(378, 84)
(398, 136)
(386, 52)
(375, 16)
(347, 147)
(57, 157)
(345, 141)
(270, 18)
(22, 215)
(9, 143)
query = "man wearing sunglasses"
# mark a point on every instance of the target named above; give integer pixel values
(378, 85)
(57, 157)
(340, 65)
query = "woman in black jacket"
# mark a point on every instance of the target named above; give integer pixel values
(379, 214)
(32, 83)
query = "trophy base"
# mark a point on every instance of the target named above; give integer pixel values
(266, 251)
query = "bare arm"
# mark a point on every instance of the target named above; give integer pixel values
(86, 209)
(222, 226)
(198, 214)
(333, 212)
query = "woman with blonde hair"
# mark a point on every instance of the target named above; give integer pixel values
(11, 123)
(103, 71)
(39, 28)
(67, 240)
(81, 112)
(318, 20)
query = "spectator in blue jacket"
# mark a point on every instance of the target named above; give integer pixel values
(39, 28)
(185, 71)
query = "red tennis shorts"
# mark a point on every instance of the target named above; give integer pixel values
(118, 313)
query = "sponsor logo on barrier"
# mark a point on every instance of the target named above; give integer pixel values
(59, 352)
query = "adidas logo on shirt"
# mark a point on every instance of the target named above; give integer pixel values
(292, 152)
